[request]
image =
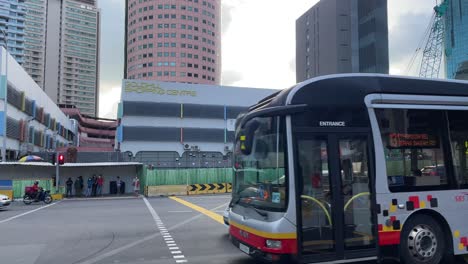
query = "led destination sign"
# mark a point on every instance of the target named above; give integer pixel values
(401, 140)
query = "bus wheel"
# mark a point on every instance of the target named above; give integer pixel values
(422, 241)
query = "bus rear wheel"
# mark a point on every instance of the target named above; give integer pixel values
(422, 241)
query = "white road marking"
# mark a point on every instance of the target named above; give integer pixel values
(166, 236)
(173, 248)
(28, 212)
(147, 238)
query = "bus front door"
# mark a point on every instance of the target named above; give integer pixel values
(336, 221)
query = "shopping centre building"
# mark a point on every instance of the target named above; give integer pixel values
(176, 124)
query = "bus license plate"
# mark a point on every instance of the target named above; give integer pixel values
(244, 248)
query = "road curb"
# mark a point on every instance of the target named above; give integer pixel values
(101, 198)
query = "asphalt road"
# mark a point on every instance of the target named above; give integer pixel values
(124, 231)
(117, 231)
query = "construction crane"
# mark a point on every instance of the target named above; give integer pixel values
(434, 44)
(432, 53)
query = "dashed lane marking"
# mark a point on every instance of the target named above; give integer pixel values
(125, 247)
(166, 236)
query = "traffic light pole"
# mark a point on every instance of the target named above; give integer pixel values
(57, 172)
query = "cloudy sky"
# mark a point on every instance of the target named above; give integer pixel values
(258, 42)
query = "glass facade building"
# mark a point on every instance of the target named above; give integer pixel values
(12, 23)
(456, 40)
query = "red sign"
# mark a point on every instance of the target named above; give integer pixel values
(400, 140)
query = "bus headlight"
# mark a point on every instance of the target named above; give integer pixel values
(273, 243)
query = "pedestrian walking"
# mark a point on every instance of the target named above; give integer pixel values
(119, 185)
(136, 186)
(100, 184)
(94, 185)
(78, 188)
(89, 187)
(69, 184)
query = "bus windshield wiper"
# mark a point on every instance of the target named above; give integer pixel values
(258, 211)
(264, 214)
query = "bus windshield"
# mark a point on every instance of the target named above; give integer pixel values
(260, 178)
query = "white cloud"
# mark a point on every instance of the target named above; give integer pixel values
(108, 101)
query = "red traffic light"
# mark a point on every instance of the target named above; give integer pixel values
(61, 159)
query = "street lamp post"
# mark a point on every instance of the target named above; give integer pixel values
(5, 99)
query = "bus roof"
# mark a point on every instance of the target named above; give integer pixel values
(349, 90)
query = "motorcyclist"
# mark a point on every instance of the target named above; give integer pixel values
(36, 191)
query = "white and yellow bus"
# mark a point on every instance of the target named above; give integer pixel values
(355, 167)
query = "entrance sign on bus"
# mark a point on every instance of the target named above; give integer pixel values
(332, 123)
(401, 140)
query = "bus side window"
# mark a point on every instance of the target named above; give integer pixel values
(458, 127)
(414, 150)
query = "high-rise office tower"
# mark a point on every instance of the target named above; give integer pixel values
(72, 54)
(35, 39)
(342, 37)
(12, 27)
(176, 41)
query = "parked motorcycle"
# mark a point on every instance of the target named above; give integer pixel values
(45, 197)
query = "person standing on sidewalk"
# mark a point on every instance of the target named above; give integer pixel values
(93, 193)
(90, 187)
(69, 184)
(78, 188)
(81, 184)
(100, 184)
(119, 185)
(136, 186)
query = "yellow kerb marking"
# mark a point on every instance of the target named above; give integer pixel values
(392, 208)
(456, 234)
(218, 218)
(461, 247)
(422, 204)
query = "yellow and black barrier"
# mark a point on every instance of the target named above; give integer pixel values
(209, 188)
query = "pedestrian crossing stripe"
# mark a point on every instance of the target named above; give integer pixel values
(209, 188)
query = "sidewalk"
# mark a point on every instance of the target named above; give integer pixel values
(104, 197)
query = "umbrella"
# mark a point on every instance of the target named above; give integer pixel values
(30, 158)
